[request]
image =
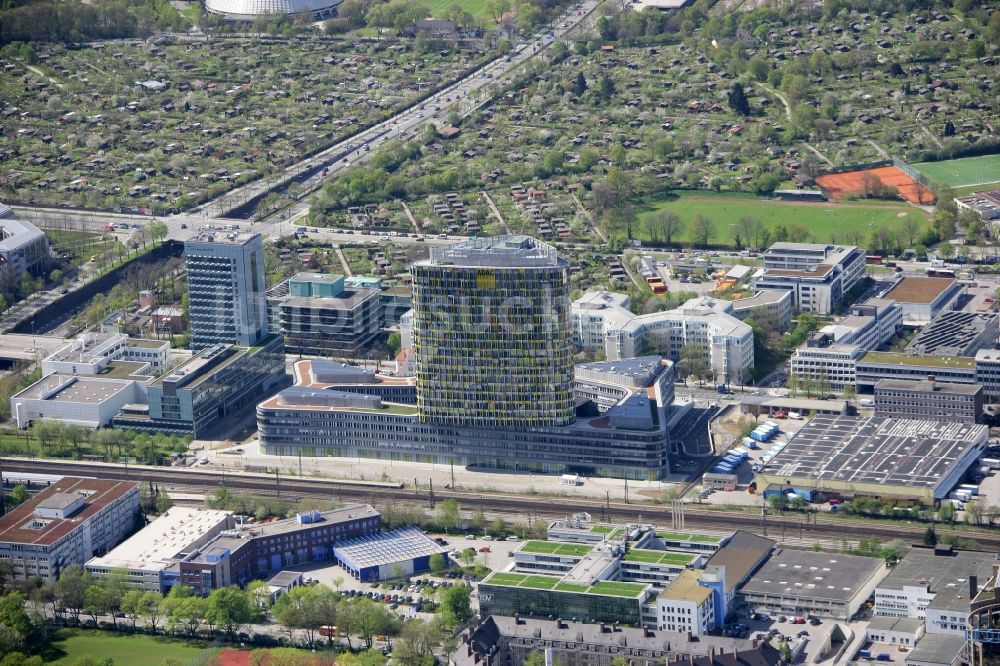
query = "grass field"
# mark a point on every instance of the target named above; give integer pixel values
(555, 548)
(658, 557)
(964, 172)
(440, 8)
(824, 220)
(138, 650)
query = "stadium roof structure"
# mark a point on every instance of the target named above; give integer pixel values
(247, 10)
(387, 548)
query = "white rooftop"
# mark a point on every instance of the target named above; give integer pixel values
(164, 538)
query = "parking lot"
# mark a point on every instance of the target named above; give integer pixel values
(780, 627)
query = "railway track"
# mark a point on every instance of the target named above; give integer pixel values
(294, 488)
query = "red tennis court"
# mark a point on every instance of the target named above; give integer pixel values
(841, 185)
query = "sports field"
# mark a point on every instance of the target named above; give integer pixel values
(824, 220)
(439, 8)
(981, 170)
(853, 183)
(136, 650)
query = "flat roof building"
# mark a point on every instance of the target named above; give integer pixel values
(956, 333)
(771, 308)
(929, 399)
(386, 555)
(23, 246)
(893, 459)
(225, 273)
(319, 314)
(937, 650)
(874, 366)
(148, 557)
(91, 353)
(831, 367)
(935, 585)
(67, 523)
(803, 582)
(89, 402)
(923, 298)
(817, 275)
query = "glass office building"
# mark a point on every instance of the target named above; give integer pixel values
(492, 336)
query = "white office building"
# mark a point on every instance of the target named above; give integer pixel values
(23, 246)
(686, 606)
(91, 353)
(148, 559)
(226, 293)
(817, 275)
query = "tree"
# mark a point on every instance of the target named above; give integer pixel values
(132, 606)
(449, 514)
(437, 563)
(693, 360)
(183, 609)
(974, 512)
(150, 609)
(579, 84)
(71, 589)
(946, 514)
(229, 608)
(13, 615)
(95, 601)
(605, 88)
(738, 100)
(455, 605)
(18, 495)
(535, 659)
(669, 224)
(394, 343)
(367, 619)
(416, 644)
(294, 610)
(911, 227)
(702, 230)
(158, 230)
(930, 537)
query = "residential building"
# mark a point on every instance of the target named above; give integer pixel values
(817, 275)
(318, 315)
(91, 353)
(491, 335)
(67, 523)
(929, 399)
(956, 333)
(874, 366)
(148, 559)
(242, 554)
(803, 582)
(891, 459)
(225, 273)
(934, 585)
(24, 248)
(923, 298)
(212, 387)
(509, 641)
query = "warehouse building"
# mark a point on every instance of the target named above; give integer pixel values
(935, 585)
(376, 557)
(929, 399)
(892, 459)
(67, 523)
(803, 582)
(923, 298)
(734, 564)
(147, 556)
(956, 333)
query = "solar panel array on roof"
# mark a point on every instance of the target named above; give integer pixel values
(387, 548)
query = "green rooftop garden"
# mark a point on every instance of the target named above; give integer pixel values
(659, 557)
(537, 582)
(690, 538)
(555, 548)
(603, 529)
(899, 358)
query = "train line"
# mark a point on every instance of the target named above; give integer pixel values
(294, 488)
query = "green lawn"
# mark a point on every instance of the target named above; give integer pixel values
(535, 582)
(658, 557)
(439, 8)
(615, 589)
(138, 650)
(683, 536)
(555, 548)
(963, 172)
(823, 220)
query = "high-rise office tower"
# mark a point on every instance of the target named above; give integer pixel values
(225, 275)
(492, 336)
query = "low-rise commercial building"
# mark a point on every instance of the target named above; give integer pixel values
(24, 247)
(896, 631)
(956, 333)
(67, 523)
(686, 606)
(875, 366)
(929, 399)
(891, 459)
(799, 582)
(937, 650)
(386, 555)
(237, 556)
(934, 585)
(868, 325)
(148, 559)
(728, 569)
(771, 308)
(829, 367)
(88, 402)
(987, 372)
(922, 298)
(91, 353)
(318, 314)
(818, 276)
(216, 384)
